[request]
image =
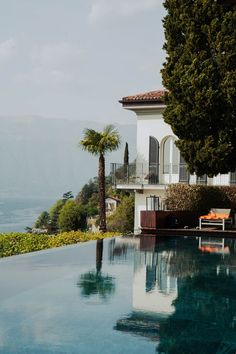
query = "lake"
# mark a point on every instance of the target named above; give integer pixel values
(17, 213)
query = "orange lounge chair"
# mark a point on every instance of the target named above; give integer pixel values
(218, 217)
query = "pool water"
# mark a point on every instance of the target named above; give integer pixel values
(121, 295)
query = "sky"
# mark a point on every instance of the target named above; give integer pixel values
(75, 59)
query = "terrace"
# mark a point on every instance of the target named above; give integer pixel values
(144, 175)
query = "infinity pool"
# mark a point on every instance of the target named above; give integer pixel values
(122, 295)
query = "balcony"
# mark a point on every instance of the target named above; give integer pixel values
(144, 174)
(134, 174)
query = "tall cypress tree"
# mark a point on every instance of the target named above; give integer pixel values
(200, 74)
(126, 154)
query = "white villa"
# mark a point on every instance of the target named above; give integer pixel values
(111, 204)
(158, 162)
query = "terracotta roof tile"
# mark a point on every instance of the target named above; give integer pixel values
(146, 97)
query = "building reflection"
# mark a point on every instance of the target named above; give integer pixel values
(184, 297)
(119, 249)
(154, 288)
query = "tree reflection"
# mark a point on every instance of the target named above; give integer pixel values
(94, 282)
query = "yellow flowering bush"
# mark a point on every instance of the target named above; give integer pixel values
(18, 243)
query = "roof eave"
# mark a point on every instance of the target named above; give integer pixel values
(144, 106)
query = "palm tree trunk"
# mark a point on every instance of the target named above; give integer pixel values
(102, 203)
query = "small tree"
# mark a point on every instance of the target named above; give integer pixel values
(54, 213)
(68, 195)
(123, 218)
(72, 217)
(87, 191)
(126, 154)
(55, 210)
(43, 220)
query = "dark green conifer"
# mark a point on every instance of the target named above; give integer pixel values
(200, 74)
(126, 154)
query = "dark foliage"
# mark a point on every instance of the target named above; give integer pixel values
(200, 74)
(126, 154)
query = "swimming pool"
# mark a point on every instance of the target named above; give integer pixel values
(122, 295)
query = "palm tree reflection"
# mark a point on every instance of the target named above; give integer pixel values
(95, 282)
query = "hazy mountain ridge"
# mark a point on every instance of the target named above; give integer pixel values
(40, 156)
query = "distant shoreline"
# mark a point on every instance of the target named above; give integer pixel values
(18, 212)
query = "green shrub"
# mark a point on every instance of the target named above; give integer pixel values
(54, 213)
(72, 217)
(123, 218)
(17, 243)
(43, 220)
(199, 197)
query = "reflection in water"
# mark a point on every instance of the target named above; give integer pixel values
(184, 297)
(213, 245)
(94, 282)
(120, 248)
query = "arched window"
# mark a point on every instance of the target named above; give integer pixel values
(170, 156)
(153, 160)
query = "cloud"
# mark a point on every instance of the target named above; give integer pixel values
(53, 64)
(45, 77)
(119, 8)
(56, 55)
(7, 49)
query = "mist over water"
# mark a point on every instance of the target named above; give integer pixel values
(17, 213)
(40, 160)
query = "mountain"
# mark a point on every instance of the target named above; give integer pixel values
(40, 157)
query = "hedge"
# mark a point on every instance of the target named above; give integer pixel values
(18, 243)
(200, 198)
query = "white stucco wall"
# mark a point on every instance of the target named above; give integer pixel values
(150, 122)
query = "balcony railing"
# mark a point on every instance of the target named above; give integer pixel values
(152, 174)
(183, 173)
(202, 179)
(233, 178)
(136, 173)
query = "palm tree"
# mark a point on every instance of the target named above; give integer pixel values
(99, 143)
